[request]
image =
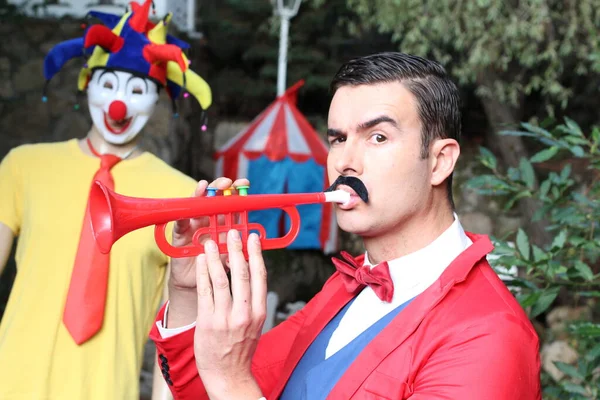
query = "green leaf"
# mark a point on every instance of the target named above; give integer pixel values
(590, 294)
(523, 244)
(527, 173)
(573, 388)
(593, 353)
(577, 151)
(488, 158)
(536, 129)
(511, 202)
(573, 127)
(586, 329)
(544, 188)
(577, 140)
(538, 254)
(569, 370)
(544, 155)
(517, 133)
(529, 299)
(559, 240)
(544, 301)
(584, 270)
(566, 171)
(491, 184)
(596, 135)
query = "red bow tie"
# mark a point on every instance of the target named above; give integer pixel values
(357, 277)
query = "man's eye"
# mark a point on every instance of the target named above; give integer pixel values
(378, 138)
(338, 139)
(138, 90)
(108, 85)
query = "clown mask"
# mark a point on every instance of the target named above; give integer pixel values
(120, 104)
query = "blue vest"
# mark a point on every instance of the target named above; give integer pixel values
(314, 376)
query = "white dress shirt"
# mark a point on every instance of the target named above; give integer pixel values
(411, 275)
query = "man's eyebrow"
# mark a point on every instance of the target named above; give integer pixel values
(365, 125)
(334, 132)
(376, 121)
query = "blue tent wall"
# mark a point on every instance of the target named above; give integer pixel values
(288, 176)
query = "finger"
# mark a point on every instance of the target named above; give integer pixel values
(241, 182)
(221, 183)
(258, 277)
(218, 278)
(204, 287)
(199, 191)
(236, 184)
(240, 275)
(200, 188)
(181, 226)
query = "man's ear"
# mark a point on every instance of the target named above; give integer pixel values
(443, 154)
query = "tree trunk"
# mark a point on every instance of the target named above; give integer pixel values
(511, 148)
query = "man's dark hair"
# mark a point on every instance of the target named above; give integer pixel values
(437, 96)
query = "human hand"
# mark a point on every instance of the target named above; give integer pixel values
(182, 278)
(230, 317)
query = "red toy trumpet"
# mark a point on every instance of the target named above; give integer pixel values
(114, 215)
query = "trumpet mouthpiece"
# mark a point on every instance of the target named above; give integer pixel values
(337, 196)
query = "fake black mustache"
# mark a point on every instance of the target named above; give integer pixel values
(353, 182)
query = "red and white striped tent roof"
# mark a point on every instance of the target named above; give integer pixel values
(280, 131)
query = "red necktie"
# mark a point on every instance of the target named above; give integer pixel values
(357, 277)
(86, 299)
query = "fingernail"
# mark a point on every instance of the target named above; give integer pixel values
(254, 238)
(211, 246)
(234, 235)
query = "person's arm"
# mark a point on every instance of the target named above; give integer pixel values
(175, 355)
(496, 359)
(178, 354)
(160, 390)
(6, 241)
(10, 203)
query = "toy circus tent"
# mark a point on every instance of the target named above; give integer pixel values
(280, 152)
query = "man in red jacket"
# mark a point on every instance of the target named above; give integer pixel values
(420, 316)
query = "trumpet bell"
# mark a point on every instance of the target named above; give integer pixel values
(101, 216)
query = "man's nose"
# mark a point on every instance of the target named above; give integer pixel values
(350, 160)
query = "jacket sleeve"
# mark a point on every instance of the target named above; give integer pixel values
(175, 356)
(495, 359)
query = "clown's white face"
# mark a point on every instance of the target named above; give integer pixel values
(120, 104)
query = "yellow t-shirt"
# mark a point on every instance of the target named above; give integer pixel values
(43, 195)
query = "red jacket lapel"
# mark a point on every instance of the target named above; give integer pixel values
(402, 326)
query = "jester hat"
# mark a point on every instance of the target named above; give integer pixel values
(134, 44)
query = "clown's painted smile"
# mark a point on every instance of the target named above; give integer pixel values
(117, 127)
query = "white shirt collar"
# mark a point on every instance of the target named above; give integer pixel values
(416, 271)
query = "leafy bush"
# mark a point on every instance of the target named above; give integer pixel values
(566, 270)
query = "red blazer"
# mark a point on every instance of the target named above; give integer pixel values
(465, 337)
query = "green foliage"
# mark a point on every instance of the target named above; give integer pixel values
(568, 267)
(506, 48)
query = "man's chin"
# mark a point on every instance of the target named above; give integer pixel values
(353, 224)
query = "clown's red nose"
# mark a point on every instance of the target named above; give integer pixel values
(117, 111)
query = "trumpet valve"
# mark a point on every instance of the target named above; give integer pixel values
(243, 190)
